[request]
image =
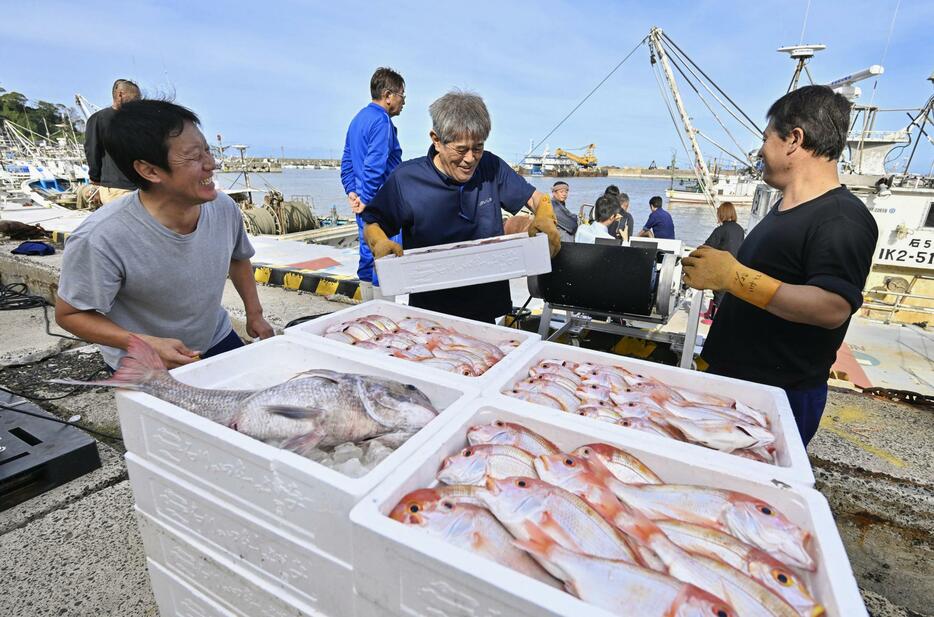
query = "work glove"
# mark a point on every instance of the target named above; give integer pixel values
(708, 268)
(380, 245)
(546, 223)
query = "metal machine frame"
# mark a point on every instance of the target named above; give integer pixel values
(578, 319)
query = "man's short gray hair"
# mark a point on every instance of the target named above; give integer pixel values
(459, 114)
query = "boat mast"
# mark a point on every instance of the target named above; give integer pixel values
(700, 166)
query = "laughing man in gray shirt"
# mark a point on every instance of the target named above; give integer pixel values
(154, 262)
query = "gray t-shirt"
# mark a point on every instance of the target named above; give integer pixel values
(146, 278)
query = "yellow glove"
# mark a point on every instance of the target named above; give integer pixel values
(546, 223)
(378, 242)
(708, 268)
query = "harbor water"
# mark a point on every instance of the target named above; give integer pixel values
(692, 223)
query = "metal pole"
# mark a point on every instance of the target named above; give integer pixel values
(690, 335)
(700, 166)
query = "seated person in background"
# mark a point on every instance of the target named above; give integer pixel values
(659, 225)
(606, 212)
(626, 224)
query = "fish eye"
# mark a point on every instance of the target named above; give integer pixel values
(626, 423)
(468, 452)
(409, 386)
(521, 483)
(569, 462)
(499, 423)
(414, 508)
(766, 510)
(586, 451)
(448, 505)
(722, 612)
(782, 578)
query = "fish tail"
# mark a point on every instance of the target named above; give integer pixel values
(140, 366)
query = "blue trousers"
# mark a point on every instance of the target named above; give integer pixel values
(808, 407)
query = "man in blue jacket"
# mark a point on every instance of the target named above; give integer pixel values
(371, 152)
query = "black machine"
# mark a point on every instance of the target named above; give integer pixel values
(639, 284)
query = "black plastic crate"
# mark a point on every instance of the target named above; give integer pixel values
(38, 454)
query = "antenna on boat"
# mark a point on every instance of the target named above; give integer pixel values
(801, 53)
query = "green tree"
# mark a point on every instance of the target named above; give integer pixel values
(46, 119)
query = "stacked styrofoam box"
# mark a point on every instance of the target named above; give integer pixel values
(407, 571)
(242, 522)
(175, 597)
(792, 460)
(490, 333)
(464, 263)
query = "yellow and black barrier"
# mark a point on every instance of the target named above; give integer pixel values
(310, 282)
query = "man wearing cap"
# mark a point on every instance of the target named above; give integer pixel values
(567, 222)
(455, 193)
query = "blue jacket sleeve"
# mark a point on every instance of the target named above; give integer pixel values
(347, 167)
(378, 143)
(386, 208)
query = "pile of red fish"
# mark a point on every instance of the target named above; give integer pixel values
(615, 394)
(603, 524)
(423, 340)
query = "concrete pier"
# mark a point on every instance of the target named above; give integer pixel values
(76, 550)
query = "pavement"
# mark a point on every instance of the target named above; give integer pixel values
(76, 550)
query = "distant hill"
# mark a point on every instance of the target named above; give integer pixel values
(41, 117)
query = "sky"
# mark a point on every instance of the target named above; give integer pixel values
(288, 76)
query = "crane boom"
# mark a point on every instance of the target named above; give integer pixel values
(588, 160)
(700, 166)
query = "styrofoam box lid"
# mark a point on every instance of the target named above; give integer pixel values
(261, 478)
(490, 584)
(178, 598)
(218, 578)
(485, 332)
(463, 263)
(793, 464)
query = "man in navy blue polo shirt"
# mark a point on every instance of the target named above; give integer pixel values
(452, 194)
(659, 224)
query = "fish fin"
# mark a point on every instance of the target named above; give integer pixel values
(303, 444)
(139, 366)
(539, 543)
(294, 412)
(392, 440)
(321, 373)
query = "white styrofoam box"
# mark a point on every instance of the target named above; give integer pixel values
(288, 491)
(176, 598)
(463, 263)
(406, 571)
(216, 576)
(483, 331)
(792, 459)
(281, 559)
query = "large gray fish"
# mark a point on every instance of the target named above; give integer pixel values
(314, 408)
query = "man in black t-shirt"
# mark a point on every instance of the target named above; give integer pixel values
(799, 274)
(102, 170)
